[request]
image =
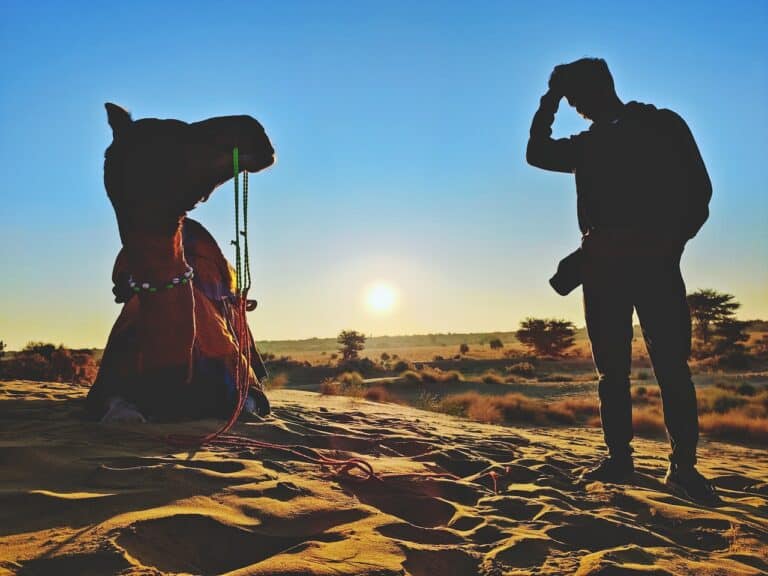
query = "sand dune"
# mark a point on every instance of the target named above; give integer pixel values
(81, 498)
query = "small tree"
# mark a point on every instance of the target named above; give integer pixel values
(464, 349)
(728, 335)
(708, 308)
(2, 348)
(547, 337)
(44, 349)
(496, 344)
(351, 343)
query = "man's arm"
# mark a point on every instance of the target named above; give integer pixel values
(543, 151)
(697, 187)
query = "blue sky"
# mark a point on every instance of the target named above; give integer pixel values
(400, 129)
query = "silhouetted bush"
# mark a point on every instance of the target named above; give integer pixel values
(496, 344)
(525, 369)
(401, 366)
(550, 337)
(40, 361)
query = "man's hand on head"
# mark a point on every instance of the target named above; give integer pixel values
(556, 87)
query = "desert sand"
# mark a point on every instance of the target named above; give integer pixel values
(88, 499)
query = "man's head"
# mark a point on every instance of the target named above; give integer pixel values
(587, 84)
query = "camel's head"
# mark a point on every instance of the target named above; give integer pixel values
(157, 170)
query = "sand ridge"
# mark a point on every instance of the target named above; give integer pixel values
(83, 498)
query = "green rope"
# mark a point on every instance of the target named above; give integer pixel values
(236, 241)
(247, 272)
(242, 261)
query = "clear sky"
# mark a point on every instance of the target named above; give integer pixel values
(400, 129)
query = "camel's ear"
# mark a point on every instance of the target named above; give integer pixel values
(119, 118)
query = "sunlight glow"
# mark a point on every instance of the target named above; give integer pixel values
(381, 298)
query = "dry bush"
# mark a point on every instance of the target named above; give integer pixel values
(579, 407)
(330, 387)
(483, 409)
(512, 407)
(524, 369)
(350, 379)
(491, 377)
(457, 404)
(430, 401)
(648, 421)
(433, 375)
(276, 382)
(411, 376)
(380, 394)
(737, 426)
(401, 365)
(40, 361)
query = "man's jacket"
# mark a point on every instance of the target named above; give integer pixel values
(642, 171)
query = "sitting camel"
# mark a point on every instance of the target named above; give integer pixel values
(173, 351)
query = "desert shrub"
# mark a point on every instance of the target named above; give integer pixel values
(429, 401)
(496, 344)
(640, 391)
(520, 408)
(25, 365)
(385, 357)
(746, 389)
(483, 409)
(438, 358)
(648, 421)
(642, 375)
(401, 366)
(39, 361)
(726, 402)
(556, 378)
(464, 349)
(379, 394)
(345, 384)
(578, 407)
(350, 379)
(491, 377)
(735, 426)
(433, 375)
(525, 369)
(725, 386)
(330, 387)
(276, 382)
(411, 376)
(457, 404)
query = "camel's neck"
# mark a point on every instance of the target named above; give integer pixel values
(155, 258)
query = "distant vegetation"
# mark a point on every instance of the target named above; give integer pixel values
(550, 337)
(351, 343)
(42, 361)
(541, 374)
(719, 336)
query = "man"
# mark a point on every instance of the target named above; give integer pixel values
(642, 193)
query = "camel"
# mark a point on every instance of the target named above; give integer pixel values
(172, 352)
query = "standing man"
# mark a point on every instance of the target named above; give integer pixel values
(642, 193)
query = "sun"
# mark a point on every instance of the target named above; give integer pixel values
(381, 298)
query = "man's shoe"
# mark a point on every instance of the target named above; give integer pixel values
(615, 470)
(688, 483)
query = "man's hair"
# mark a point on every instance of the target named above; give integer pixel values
(586, 76)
